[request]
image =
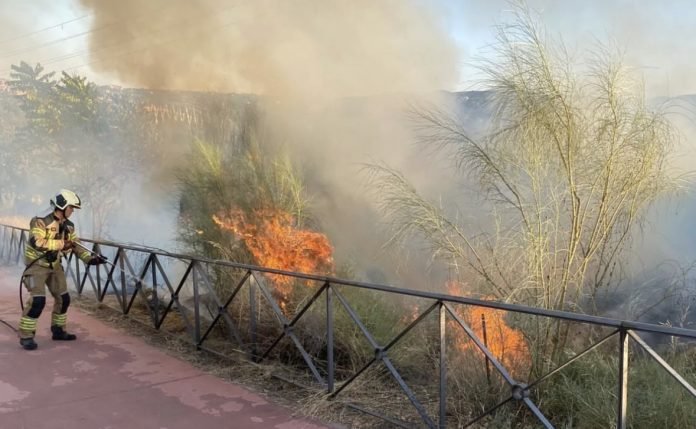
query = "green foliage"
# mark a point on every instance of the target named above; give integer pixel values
(52, 106)
(380, 314)
(35, 90)
(78, 99)
(244, 173)
(584, 395)
(73, 133)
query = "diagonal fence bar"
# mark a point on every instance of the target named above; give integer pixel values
(381, 354)
(671, 371)
(519, 390)
(223, 308)
(501, 369)
(571, 360)
(203, 277)
(289, 331)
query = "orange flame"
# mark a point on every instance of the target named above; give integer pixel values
(505, 343)
(275, 242)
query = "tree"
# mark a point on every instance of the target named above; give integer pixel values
(94, 150)
(75, 134)
(33, 91)
(34, 88)
(77, 98)
(569, 164)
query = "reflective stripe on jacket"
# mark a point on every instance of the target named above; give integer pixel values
(47, 234)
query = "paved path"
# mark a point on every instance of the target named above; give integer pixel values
(108, 380)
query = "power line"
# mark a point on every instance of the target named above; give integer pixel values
(22, 36)
(52, 42)
(64, 57)
(77, 54)
(162, 32)
(159, 31)
(25, 50)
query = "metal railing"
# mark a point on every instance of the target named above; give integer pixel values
(152, 282)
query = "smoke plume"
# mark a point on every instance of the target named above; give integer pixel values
(291, 48)
(334, 78)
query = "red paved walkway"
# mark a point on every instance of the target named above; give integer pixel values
(108, 380)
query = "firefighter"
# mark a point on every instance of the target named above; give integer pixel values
(50, 237)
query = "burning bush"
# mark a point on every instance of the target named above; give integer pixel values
(239, 173)
(507, 344)
(275, 241)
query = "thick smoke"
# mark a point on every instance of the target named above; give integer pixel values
(334, 77)
(299, 48)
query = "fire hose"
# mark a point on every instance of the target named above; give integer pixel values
(102, 257)
(46, 255)
(106, 261)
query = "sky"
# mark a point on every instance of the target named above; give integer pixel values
(658, 38)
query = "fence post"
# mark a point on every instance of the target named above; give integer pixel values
(5, 245)
(122, 267)
(2, 245)
(443, 366)
(19, 246)
(97, 250)
(252, 320)
(329, 339)
(485, 343)
(196, 306)
(23, 245)
(10, 247)
(155, 294)
(623, 379)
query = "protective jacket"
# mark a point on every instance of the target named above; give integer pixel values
(48, 236)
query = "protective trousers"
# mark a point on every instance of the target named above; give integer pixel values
(36, 279)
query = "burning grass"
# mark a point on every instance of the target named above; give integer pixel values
(506, 343)
(276, 242)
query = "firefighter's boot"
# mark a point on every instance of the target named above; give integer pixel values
(59, 334)
(28, 343)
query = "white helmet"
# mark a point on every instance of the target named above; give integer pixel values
(66, 198)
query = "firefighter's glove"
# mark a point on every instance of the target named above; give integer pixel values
(97, 260)
(68, 245)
